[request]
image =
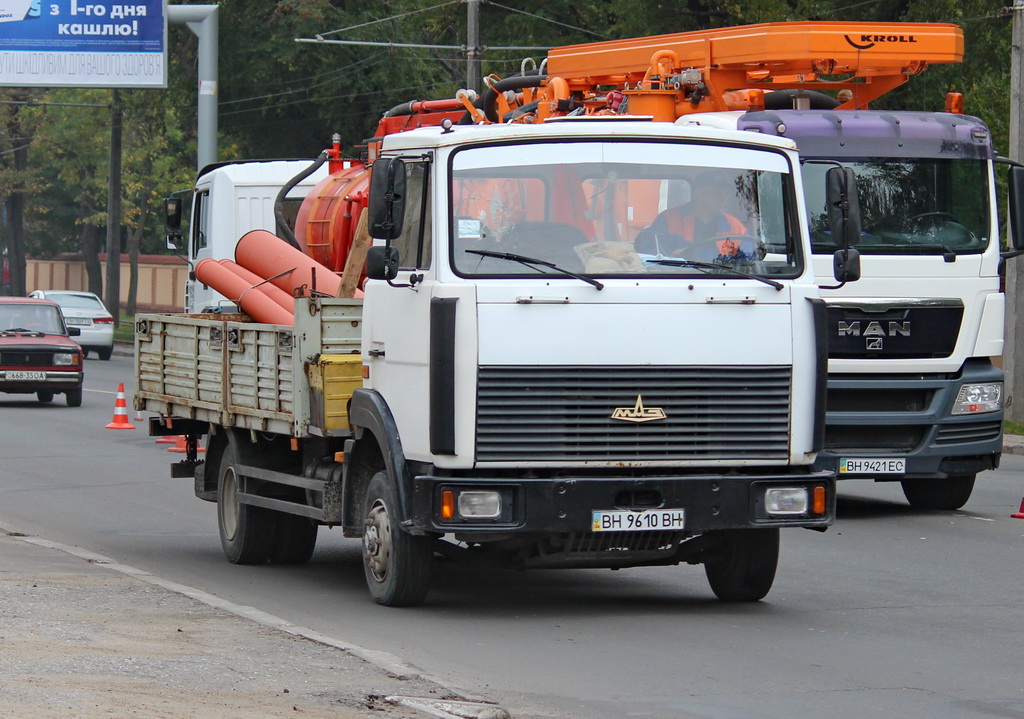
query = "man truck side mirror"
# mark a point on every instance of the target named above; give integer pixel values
(172, 223)
(1015, 191)
(846, 265)
(382, 263)
(387, 198)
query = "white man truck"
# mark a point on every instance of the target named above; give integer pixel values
(518, 385)
(915, 393)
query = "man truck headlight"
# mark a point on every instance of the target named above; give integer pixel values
(976, 398)
(786, 500)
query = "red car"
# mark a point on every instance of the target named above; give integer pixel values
(37, 353)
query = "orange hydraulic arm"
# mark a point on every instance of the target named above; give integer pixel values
(668, 76)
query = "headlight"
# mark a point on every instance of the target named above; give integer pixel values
(786, 500)
(480, 505)
(64, 359)
(975, 398)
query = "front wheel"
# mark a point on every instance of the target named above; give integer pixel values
(73, 397)
(398, 565)
(44, 396)
(945, 494)
(742, 564)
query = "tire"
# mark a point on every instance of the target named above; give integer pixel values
(73, 397)
(104, 354)
(398, 566)
(743, 566)
(943, 494)
(247, 533)
(44, 396)
(295, 539)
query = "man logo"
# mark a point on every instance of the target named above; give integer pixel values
(638, 413)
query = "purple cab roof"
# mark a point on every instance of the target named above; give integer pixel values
(876, 133)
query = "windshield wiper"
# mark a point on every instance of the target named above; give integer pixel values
(529, 261)
(22, 331)
(712, 266)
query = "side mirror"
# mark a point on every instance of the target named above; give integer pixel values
(843, 206)
(387, 198)
(382, 263)
(846, 265)
(1016, 198)
(172, 223)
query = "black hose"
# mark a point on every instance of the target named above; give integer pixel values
(489, 103)
(283, 230)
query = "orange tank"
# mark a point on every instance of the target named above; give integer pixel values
(330, 213)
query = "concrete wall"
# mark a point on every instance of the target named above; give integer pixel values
(161, 285)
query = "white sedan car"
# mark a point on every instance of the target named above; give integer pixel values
(87, 312)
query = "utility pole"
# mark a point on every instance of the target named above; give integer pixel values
(473, 75)
(112, 290)
(1013, 346)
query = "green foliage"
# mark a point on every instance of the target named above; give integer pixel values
(282, 98)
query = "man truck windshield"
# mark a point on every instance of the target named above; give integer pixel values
(909, 206)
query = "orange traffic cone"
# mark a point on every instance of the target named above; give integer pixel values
(1020, 513)
(181, 445)
(120, 420)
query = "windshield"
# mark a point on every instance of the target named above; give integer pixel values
(30, 318)
(607, 209)
(79, 302)
(909, 206)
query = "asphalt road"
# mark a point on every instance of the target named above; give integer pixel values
(893, 612)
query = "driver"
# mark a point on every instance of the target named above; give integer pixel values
(671, 232)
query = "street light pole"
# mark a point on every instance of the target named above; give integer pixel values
(1013, 347)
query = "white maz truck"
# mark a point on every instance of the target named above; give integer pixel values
(519, 386)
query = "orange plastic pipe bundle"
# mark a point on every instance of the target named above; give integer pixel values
(255, 303)
(260, 284)
(267, 255)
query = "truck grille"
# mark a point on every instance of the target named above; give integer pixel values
(960, 433)
(26, 358)
(565, 413)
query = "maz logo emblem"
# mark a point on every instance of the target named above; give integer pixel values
(638, 413)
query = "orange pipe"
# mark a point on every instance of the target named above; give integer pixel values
(268, 255)
(255, 303)
(269, 289)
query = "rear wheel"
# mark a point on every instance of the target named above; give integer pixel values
(44, 396)
(246, 532)
(295, 539)
(398, 565)
(742, 566)
(946, 494)
(105, 353)
(73, 397)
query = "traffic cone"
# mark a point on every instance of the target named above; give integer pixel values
(181, 445)
(120, 420)
(1019, 514)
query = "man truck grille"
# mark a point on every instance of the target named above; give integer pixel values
(633, 413)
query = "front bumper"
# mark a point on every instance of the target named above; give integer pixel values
(566, 504)
(933, 442)
(53, 380)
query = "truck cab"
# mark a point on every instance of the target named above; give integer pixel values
(228, 200)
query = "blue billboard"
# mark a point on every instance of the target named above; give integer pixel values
(83, 43)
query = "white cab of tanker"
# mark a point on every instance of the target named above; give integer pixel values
(915, 394)
(228, 200)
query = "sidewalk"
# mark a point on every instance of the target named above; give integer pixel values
(86, 637)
